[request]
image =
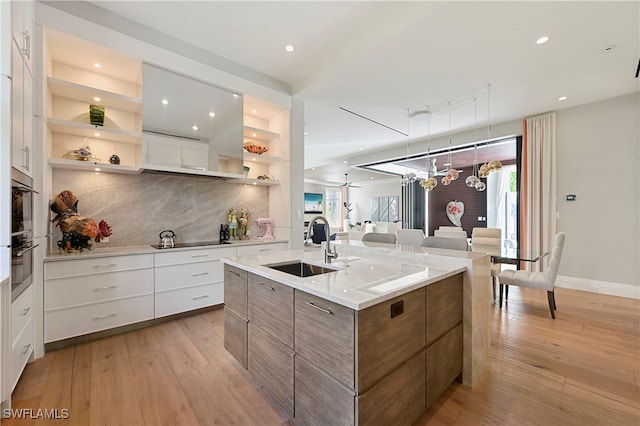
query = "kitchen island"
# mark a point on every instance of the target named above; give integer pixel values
(374, 337)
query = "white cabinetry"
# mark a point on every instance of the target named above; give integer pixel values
(72, 87)
(188, 280)
(261, 249)
(88, 295)
(173, 152)
(22, 99)
(22, 337)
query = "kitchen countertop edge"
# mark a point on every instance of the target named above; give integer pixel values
(146, 249)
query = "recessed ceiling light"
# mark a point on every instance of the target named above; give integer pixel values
(562, 98)
(253, 135)
(542, 40)
(97, 65)
(361, 149)
(254, 111)
(306, 133)
(97, 99)
(212, 114)
(372, 178)
(97, 169)
(289, 48)
(194, 127)
(345, 161)
(313, 168)
(235, 95)
(96, 134)
(165, 102)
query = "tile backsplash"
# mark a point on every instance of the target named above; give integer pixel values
(139, 207)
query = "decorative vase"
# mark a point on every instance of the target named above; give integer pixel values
(96, 114)
(114, 159)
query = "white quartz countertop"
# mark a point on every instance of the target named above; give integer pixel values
(146, 249)
(364, 276)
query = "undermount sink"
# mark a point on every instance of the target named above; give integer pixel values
(300, 268)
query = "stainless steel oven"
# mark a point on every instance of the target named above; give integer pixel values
(21, 232)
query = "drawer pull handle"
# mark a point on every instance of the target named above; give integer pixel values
(313, 305)
(99, 317)
(196, 274)
(26, 349)
(237, 274)
(106, 265)
(200, 255)
(107, 287)
(268, 286)
(264, 249)
(204, 296)
(25, 311)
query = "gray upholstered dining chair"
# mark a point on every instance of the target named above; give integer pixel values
(489, 238)
(446, 243)
(541, 280)
(410, 237)
(379, 237)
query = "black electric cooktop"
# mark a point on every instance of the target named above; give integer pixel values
(192, 244)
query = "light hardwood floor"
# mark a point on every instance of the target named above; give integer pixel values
(581, 369)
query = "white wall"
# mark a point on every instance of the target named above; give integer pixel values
(598, 160)
(361, 198)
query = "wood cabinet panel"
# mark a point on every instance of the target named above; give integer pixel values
(324, 333)
(270, 363)
(235, 289)
(235, 335)
(321, 400)
(271, 308)
(388, 333)
(399, 399)
(444, 307)
(443, 363)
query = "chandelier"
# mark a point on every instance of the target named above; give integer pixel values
(493, 165)
(429, 182)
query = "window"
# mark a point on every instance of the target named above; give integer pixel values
(333, 207)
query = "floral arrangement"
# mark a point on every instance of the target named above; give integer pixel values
(77, 230)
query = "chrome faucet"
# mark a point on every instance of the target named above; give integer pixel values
(328, 254)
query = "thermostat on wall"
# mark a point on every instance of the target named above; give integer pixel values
(571, 197)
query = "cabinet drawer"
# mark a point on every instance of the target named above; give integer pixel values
(71, 322)
(21, 312)
(321, 400)
(21, 350)
(235, 335)
(444, 363)
(71, 268)
(188, 256)
(187, 299)
(190, 274)
(388, 334)
(261, 249)
(235, 289)
(324, 332)
(444, 307)
(73, 291)
(398, 399)
(271, 365)
(271, 308)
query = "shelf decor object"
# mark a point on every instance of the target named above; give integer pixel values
(77, 230)
(255, 149)
(455, 210)
(96, 114)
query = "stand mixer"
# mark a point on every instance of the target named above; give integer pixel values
(268, 233)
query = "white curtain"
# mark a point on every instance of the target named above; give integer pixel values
(540, 184)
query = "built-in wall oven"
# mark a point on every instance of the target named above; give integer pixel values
(22, 243)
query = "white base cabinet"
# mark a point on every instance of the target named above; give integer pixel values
(22, 334)
(88, 295)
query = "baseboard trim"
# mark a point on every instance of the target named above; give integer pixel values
(602, 287)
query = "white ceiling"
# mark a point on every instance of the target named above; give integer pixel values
(383, 59)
